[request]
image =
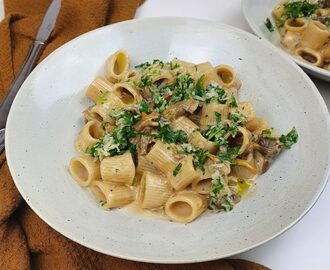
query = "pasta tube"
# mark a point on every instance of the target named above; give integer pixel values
(185, 207)
(144, 165)
(126, 93)
(97, 87)
(84, 170)
(185, 176)
(228, 78)
(154, 190)
(246, 139)
(315, 35)
(247, 109)
(89, 135)
(111, 195)
(290, 40)
(256, 125)
(309, 55)
(162, 157)
(208, 115)
(162, 77)
(297, 25)
(323, 12)
(120, 169)
(202, 185)
(117, 66)
(194, 136)
(326, 53)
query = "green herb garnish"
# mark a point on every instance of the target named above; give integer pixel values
(144, 107)
(289, 139)
(177, 169)
(236, 121)
(167, 135)
(217, 117)
(232, 102)
(229, 155)
(294, 10)
(268, 133)
(143, 65)
(199, 157)
(269, 25)
(102, 98)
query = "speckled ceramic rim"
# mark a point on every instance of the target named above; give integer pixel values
(309, 68)
(57, 225)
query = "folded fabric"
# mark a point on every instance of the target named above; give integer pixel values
(26, 242)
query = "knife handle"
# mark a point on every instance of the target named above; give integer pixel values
(2, 140)
(25, 70)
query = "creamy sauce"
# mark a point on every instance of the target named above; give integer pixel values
(135, 208)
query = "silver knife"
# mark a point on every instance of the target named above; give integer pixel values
(45, 29)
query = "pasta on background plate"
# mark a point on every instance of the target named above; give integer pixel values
(304, 27)
(171, 137)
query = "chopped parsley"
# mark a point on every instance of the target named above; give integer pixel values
(173, 65)
(143, 65)
(217, 117)
(102, 98)
(216, 134)
(220, 194)
(227, 205)
(167, 135)
(217, 186)
(294, 10)
(145, 81)
(269, 25)
(144, 107)
(102, 203)
(229, 155)
(236, 120)
(268, 133)
(117, 142)
(199, 155)
(289, 139)
(177, 169)
(232, 102)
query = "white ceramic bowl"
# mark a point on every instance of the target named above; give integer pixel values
(256, 12)
(47, 115)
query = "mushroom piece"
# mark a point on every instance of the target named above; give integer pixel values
(146, 142)
(147, 120)
(323, 19)
(178, 109)
(265, 149)
(89, 115)
(324, 3)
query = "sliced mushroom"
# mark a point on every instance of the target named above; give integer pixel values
(147, 120)
(265, 149)
(146, 142)
(325, 4)
(269, 147)
(178, 109)
(323, 19)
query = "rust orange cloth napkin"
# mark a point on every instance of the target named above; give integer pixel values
(26, 242)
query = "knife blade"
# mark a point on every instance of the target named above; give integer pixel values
(49, 21)
(43, 34)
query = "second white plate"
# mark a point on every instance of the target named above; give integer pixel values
(256, 12)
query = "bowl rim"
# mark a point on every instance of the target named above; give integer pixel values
(321, 72)
(56, 225)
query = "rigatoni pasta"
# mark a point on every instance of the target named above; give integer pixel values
(304, 27)
(171, 137)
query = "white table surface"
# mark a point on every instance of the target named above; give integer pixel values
(307, 244)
